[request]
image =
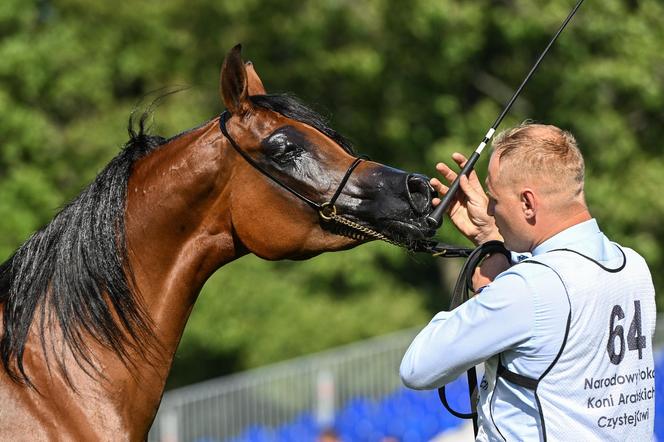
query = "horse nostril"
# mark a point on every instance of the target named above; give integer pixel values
(419, 193)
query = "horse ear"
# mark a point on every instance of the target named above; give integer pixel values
(234, 84)
(255, 84)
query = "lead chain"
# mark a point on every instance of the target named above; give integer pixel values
(329, 213)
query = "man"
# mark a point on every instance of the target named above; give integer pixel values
(566, 335)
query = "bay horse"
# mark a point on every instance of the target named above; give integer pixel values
(94, 304)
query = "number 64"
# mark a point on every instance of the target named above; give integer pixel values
(635, 339)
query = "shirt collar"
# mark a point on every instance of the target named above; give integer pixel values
(568, 237)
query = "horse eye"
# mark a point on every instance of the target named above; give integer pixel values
(281, 149)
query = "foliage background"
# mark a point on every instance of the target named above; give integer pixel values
(409, 84)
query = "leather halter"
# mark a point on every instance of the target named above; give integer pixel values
(324, 209)
(328, 210)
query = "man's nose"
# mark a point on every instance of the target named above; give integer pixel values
(490, 208)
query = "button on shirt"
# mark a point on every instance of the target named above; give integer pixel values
(521, 315)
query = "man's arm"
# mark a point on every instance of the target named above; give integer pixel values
(499, 318)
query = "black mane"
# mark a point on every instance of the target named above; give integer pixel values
(74, 272)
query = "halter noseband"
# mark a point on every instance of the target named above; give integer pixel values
(326, 210)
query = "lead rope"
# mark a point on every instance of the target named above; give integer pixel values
(462, 288)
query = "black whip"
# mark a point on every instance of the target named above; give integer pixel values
(435, 218)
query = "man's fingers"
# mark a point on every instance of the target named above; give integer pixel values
(450, 175)
(468, 187)
(461, 161)
(438, 186)
(474, 194)
(446, 172)
(475, 181)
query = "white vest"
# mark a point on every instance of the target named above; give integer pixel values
(601, 385)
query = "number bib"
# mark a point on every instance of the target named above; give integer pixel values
(602, 385)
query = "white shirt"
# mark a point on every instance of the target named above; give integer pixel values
(518, 315)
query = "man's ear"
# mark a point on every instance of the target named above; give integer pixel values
(234, 84)
(529, 204)
(255, 85)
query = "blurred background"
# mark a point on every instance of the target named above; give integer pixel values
(408, 82)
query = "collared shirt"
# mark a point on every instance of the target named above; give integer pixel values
(520, 315)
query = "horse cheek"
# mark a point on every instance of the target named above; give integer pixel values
(273, 229)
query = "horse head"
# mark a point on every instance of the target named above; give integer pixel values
(289, 163)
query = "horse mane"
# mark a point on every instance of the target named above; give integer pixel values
(74, 273)
(290, 107)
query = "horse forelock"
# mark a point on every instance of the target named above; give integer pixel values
(76, 270)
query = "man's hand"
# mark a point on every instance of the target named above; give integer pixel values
(492, 266)
(468, 212)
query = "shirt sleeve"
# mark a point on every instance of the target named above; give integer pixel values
(500, 317)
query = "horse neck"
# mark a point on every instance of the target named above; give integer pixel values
(178, 226)
(177, 232)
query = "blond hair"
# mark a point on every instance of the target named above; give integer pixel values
(543, 154)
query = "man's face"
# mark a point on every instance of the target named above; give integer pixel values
(506, 208)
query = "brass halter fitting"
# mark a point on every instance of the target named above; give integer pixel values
(328, 211)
